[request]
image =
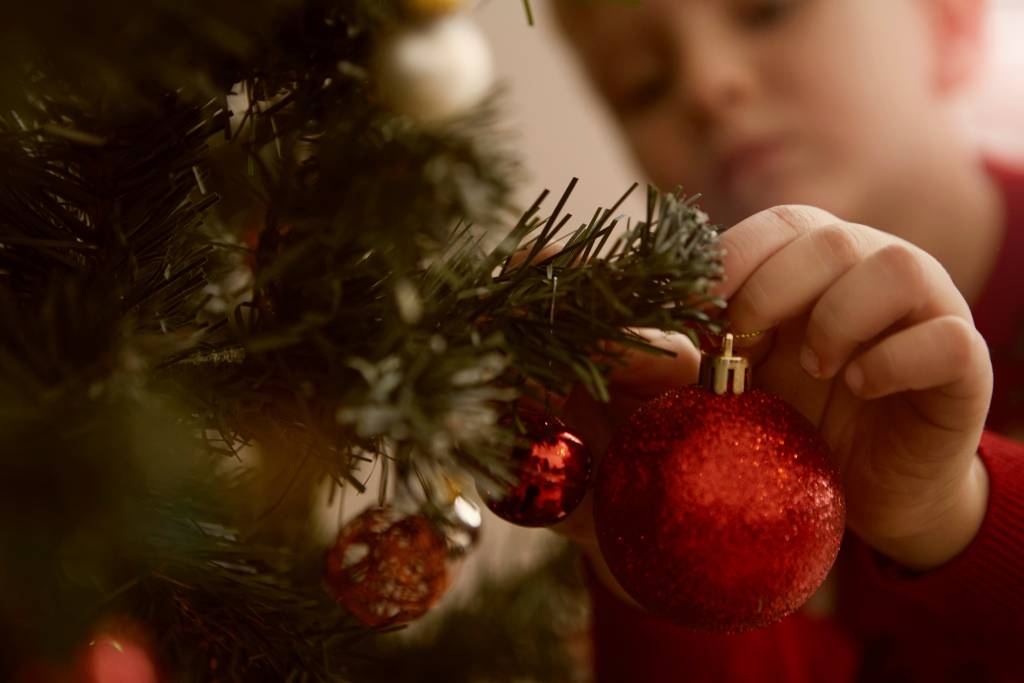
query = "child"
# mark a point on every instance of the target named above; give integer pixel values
(884, 336)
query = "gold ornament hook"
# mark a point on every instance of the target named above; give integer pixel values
(721, 373)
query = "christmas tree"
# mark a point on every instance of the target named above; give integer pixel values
(248, 253)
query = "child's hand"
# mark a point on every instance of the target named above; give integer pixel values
(869, 338)
(876, 346)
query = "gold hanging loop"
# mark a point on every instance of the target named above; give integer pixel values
(723, 372)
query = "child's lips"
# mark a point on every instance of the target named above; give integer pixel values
(748, 162)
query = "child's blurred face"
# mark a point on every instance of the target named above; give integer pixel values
(755, 103)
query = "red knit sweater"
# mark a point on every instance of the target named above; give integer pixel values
(961, 622)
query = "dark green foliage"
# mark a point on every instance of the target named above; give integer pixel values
(385, 321)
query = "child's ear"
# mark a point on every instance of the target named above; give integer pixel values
(959, 33)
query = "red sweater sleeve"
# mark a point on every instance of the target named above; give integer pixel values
(632, 645)
(973, 605)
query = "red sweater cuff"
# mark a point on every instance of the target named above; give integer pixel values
(982, 588)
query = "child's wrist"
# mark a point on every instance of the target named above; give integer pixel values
(950, 532)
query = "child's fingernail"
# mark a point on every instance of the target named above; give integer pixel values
(855, 377)
(809, 360)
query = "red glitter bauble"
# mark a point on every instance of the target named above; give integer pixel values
(718, 512)
(387, 569)
(552, 475)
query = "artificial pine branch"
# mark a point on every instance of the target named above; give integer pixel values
(381, 327)
(558, 313)
(424, 357)
(102, 267)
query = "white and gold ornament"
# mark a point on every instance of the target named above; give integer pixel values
(435, 70)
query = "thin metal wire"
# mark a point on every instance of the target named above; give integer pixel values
(736, 335)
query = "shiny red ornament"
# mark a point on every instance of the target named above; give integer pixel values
(719, 512)
(552, 475)
(387, 569)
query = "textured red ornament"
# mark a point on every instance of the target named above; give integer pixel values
(552, 473)
(387, 569)
(719, 512)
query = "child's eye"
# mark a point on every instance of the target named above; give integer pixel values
(765, 13)
(642, 94)
(637, 82)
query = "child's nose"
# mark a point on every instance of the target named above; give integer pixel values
(715, 74)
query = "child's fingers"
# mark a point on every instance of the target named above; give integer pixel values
(646, 375)
(518, 256)
(897, 283)
(944, 353)
(789, 281)
(753, 240)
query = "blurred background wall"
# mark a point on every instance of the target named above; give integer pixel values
(565, 131)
